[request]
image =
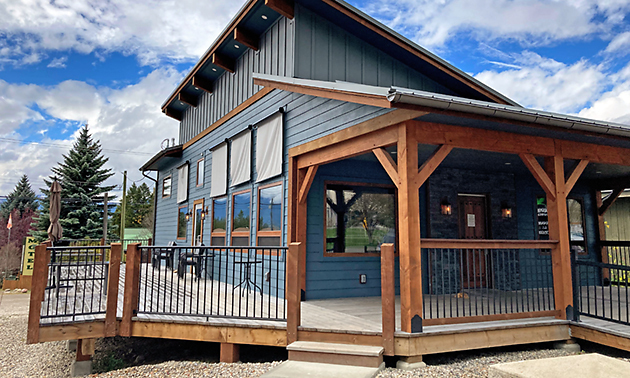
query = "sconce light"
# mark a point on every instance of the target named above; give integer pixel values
(446, 207)
(188, 215)
(204, 214)
(506, 211)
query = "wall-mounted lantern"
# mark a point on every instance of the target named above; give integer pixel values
(188, 215)
(204, 214)
(446, 207)
(506, 210)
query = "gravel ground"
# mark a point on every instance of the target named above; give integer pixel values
(137, 357)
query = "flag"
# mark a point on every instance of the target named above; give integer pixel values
(10, 222)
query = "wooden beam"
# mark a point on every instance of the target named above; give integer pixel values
(340, 338)
(38, 288)
(610, 200)
(306, 185)
(223, 61)
(75, 331)
(429, 166)
(583, 332)
(229, 353)
(409, 231)
(333, 94)
(174, 114)
(132, 287)
(293, 294)
(246, 37)
(511, 143)
(388, 298)
(488, 244)
(202, 83)
(386, 120)
(559, 230)
(575, 175)
(388, 163)
(188, 99)
(601, 230)
(115, 257)
(493, 317)
(244, 105)
(284, 7)
(349, 148)
(539, 174)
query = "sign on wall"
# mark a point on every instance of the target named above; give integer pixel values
(542, 218)
(28, 256)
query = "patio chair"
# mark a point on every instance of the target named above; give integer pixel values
(196, 258)
(166, 254)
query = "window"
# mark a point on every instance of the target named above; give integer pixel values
(182, 223)
(200, 172)
(269, 216)
(198, 222)
(269, 148)
(182, 183)
(241, 206)
(577, 239)
(219, 220)
(359, 218)
(166, 186)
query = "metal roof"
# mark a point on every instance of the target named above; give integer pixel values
(173, 152)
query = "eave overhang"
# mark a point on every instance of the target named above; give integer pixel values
(154, 162)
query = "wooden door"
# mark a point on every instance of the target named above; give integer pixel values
(473, 225)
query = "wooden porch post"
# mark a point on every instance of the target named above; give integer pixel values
(292, 291)
(112, 289)
(558, 230)
(132, 287)
(388, 298)
(409, 231)
(38, 288)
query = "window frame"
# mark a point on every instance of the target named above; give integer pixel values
(215, 233)
(194, 219)
(350, 184)
(576, 198)
(203, 171)
(170, 187)
(580, 200)
(241, 233)
(270, 233)
(179, 210)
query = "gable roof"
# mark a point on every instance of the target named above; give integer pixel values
(258, 15)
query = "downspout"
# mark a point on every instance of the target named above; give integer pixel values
(154, 202)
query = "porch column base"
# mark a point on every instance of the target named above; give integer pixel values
(410, 363)
(72, 346)
(81, 368)
(229, 353)
(568, 345)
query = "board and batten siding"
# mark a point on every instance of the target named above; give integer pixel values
(617, 220)
(325, 51)
(274, 57)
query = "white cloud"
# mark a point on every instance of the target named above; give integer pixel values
(152, 29)
(126, 119)
(614, 104)
(547, 84)
(531, 22)
(619, 44)
(58, 62)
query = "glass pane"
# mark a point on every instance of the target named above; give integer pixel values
(198, 223)
(270, 209)
(217, 240)
(166, 187)
(219, 214)
(240, 218)
(200, 172)
(241, 241)
(269, 241)
(182, 224)
(359, 219)
(576, 225)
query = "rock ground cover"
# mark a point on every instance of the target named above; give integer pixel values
(137, 357)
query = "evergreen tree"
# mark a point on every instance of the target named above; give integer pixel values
(81, 175)
(21, 199)
(139, 207)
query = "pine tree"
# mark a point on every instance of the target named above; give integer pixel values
(81, 175)
(139, 207)
(21, 199)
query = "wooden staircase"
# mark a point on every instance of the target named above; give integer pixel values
(337, 354)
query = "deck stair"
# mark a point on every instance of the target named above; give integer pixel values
(337, 354)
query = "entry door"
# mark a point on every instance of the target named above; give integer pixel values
(197, 224)
(472, 225)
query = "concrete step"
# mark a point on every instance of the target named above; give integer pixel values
(299, 369)
(338, 354)
(582, 365)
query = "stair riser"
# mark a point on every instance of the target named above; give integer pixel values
(336, 359)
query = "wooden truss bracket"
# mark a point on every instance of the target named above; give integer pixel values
(306, 185)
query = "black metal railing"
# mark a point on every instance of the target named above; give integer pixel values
(76, 284)
(228, 282)
(618, 253)
(465, 282)
(600, 290)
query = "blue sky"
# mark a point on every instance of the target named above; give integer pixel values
(112, 64)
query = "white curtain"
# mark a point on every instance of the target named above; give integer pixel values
(218, 180)
(182, 183)
(240, 159)
(269, 148)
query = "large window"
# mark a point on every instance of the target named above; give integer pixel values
(359, 218)
(270, 216)
(166, 186)
(219, 221)
(575, 209)
(200, 171)
(241, 210)
(182, 223)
